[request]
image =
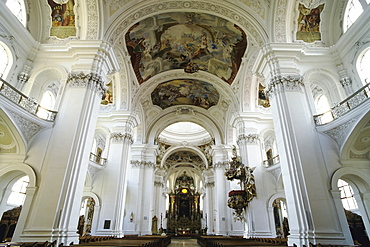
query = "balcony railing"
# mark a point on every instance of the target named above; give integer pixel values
(98, 160)
(28, 104)
(345, 106)
(273, 161)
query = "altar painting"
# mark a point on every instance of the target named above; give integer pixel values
(185, 92)
(309, 23)
(188, 41)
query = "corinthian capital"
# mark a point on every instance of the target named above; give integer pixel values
(281, 83)
(91, 80)
(250, 138)
(119, 137)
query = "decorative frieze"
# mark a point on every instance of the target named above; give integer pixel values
(28, 128)
(91, 80)
(140, 163)
(281, 83)
(339, 133)
(119, 137)
(250, 138)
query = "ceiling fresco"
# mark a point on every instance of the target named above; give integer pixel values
(188, 41)
(185, 92)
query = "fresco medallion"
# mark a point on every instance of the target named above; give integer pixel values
(185, 92)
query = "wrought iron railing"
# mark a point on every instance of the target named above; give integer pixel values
(345, 106)
(98, 160)
(273, 161)
(27, 103)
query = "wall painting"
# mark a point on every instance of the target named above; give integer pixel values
(62, 19)
(309, 23)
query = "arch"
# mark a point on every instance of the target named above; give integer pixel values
(183, 148)
(18, 139)
(353, 136)
(6, 56)
(364, 76)
(360, 179)
(196, 115)
(87, 194)
(140, 11)
(326, 81)
(44, 77)
(17, 169)
(278, 195)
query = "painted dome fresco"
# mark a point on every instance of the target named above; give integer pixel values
(185, 92)
(188, 41)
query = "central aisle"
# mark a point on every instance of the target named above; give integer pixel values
(176, 242)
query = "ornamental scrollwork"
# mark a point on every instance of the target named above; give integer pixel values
(91, 80)
(250, 138)
(119, 137)
(281, 83)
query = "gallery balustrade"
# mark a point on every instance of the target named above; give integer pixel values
(27, 103)
(98, 160)
(273, 161)
(356, 99)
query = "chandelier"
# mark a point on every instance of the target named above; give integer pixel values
(239, 199)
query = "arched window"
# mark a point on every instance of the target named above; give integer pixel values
(6, 60)
(353, 10)
(47, 100)
(346, 194)
(18, 9)
(323, 107)
(18, 194)
(364, 65)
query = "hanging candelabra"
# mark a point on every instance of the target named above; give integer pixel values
(239, 199)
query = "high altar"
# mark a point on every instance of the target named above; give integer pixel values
(184, 216)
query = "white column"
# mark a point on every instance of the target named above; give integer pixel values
(305, 177)
(209, 185)
(120, 150)
(54, 212)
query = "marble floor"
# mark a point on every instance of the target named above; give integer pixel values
(177, 242)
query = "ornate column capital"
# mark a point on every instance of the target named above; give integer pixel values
(282, 83)
(91, 80)
(250, 138)
(119, 137)
(140, 163)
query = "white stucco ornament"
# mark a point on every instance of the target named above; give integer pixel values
(60, 1)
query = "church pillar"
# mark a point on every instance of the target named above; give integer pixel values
(209, 186)
(54, 212)
(221, 210)
(119, 152)
(309, 203)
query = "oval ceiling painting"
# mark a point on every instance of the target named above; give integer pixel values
(188, 41)
(185, 92)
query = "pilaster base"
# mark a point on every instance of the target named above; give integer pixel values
(323, 238)
(61, 236)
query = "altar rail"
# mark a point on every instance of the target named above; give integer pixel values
(27, 103)
(356, 99)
